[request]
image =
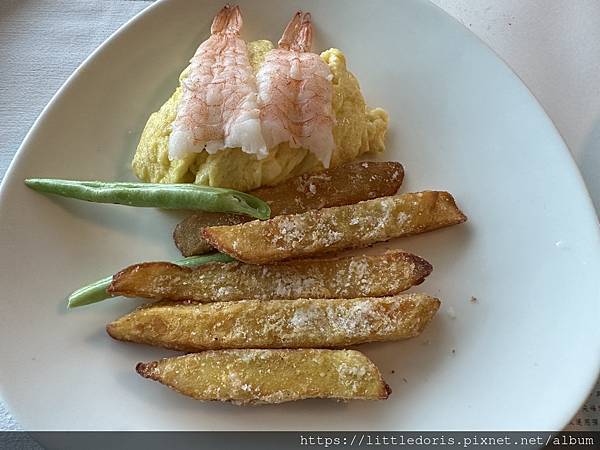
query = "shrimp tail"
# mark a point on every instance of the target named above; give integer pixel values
(297, 35)
(227, 20)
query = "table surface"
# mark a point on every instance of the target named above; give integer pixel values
(553, 45)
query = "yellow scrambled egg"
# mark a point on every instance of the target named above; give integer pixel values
(358, 130)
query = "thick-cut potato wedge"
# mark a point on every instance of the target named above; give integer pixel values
(350, 277)
(309, 323)
(342, 185)
(338, 228)
(254, 376)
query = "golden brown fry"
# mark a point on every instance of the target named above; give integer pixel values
(309, 323)
(350, 277)
(342, 185)
(338, 228)
(254, 376)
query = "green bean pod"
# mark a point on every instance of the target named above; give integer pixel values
(96, 292)
(167, 196)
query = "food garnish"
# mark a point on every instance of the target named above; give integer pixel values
(166, 196)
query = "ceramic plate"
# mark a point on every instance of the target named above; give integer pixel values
(523, 356)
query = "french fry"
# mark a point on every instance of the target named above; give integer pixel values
(350, 277)
(342, 185)
(338, 228)
(254, 376)
(303, 323)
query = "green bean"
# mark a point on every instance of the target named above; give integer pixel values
(168, 196)
(96, 292)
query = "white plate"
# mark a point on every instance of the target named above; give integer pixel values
(523, 357)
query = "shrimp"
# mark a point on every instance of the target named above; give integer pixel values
(218, 108)
(295, 93)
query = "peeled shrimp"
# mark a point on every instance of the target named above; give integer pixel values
(218, 108)
(295, 93)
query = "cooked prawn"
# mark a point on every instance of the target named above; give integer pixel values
(295, 93)
(218, 108)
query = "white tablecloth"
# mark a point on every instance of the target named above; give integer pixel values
(553, 45)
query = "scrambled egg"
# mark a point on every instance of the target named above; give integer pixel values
(358, 130)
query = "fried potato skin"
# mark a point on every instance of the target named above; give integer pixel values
(188, 233)
(337, 228)
(349, 277)
(342, 185)
(302, 323)
(254, 376)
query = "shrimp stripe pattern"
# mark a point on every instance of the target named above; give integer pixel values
(218, 108)
(295, 93)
